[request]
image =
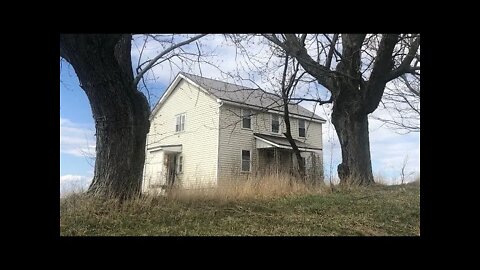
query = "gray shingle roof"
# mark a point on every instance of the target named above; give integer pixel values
(281, 140)
(249, 96)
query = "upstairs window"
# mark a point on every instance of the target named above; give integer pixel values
(301, 128)
(246, 161)
(246, 118)
(275, 123)
(180, 123)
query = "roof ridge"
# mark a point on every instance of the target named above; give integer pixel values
(261, 89)
(186, 73)
(197, 78)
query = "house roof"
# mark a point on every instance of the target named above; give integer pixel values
(248, 96)
(282, 141)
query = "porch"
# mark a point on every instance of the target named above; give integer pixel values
(163, 167)
(276, 156)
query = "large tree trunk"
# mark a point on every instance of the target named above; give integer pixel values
(103, 66)
(352, 129)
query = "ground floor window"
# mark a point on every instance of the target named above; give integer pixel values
(304, 162)
(180, 164)
(246, 160)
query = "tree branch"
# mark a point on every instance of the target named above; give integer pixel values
(410, 88)
(330, 52)
(293, 47)
(274, 39)
(173, 47)
(381, 68)
(319, 101)
(302, 38)
(404, 67)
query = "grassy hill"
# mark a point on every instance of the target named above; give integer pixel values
(379, 210)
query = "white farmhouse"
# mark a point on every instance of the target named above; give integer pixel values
(206, 133)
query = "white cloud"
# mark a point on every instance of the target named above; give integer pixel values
(74, 183)
(76, 139)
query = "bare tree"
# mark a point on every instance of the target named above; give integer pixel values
(403, 171)
(103, 65)
(356, 78)
(401, 103)
(287, 89)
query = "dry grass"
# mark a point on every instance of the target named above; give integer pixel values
(265, 207)
(262, 188)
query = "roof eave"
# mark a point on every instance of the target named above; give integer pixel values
(285, 146)
(309, 118)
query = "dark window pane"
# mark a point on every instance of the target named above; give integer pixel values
(245, 155)
(245, 160)
(246, 118)
(275, 124)
(246, 122)
(301, 132)
(245, 165)
(275, 128)
(301, 128)
(301, 123)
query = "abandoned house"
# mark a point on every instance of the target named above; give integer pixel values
(206, 133)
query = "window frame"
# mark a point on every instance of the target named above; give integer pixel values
(249, 161)
(304, 128)
(271, 123)
(242, 117)
(184, 120)
(179, 157)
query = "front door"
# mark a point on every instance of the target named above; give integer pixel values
(171, 169)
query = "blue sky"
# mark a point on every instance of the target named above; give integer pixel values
(77, 141)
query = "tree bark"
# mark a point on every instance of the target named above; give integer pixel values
(351, 125)
(350, 118)
(103, 66)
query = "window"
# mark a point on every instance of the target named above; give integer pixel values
(275, 123)
(246, 160)
(246, 119)
(304, 162)
(301, 128)
(180, 164)
(180, 124)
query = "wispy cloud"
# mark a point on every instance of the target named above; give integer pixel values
(76, 139)
(73, 183)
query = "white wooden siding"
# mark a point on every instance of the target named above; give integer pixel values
(199, 140)
(233, 138)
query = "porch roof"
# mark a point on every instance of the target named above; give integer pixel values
(175, 148)
(282, 142)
